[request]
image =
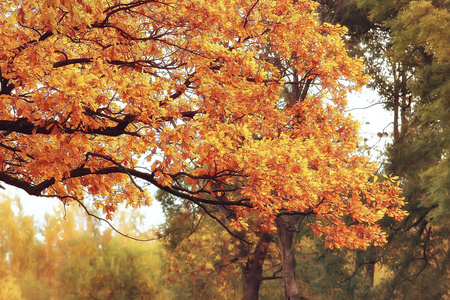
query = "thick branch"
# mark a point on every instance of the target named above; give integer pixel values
(37, 190)
(72, 62)
(25, 126)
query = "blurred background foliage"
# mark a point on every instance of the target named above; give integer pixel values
(72, 257)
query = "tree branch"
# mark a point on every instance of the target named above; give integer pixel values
(356, 271)
(249, 12)
(72, 62)
(222, 224)
(112, 227)
(36, 190)
(25, 126)
(271, 278)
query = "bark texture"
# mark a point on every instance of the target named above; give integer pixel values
(252, 271)
(287, 227)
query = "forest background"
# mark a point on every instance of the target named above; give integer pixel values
(405, 49)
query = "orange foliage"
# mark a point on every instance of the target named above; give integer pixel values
(99, 97)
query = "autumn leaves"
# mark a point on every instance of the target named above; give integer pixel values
(101, 85)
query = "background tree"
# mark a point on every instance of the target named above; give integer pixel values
(421, 143)
(94, 264)
(72, 258)
(406, 57)
(19, 250)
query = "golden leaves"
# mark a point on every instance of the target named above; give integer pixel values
(193, 87)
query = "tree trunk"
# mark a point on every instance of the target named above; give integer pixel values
(252, 271)
(287, 227)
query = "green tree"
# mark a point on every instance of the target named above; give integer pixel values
(405, 46)
(419, 33)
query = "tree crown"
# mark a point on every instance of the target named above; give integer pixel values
(99, 98)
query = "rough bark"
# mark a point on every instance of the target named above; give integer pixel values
(287, 227)
(252, 271)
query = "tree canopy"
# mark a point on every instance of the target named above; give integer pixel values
(102, 98)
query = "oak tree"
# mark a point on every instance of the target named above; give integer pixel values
(101, 98)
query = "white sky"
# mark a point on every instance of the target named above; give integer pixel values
(373, 119)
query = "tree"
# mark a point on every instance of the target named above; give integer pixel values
(100, 98)
(406, 56)
(17, 246)
(203, 260)
(73, 259)
(418, 54)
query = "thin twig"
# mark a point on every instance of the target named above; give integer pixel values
(106, 221)
(249, 12)
(356, 108)
(222, 224)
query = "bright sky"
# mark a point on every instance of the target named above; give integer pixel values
(373, 119)
(366, 108)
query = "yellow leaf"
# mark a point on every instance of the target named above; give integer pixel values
(209, 266)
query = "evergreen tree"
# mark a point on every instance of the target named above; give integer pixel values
(405, 48)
